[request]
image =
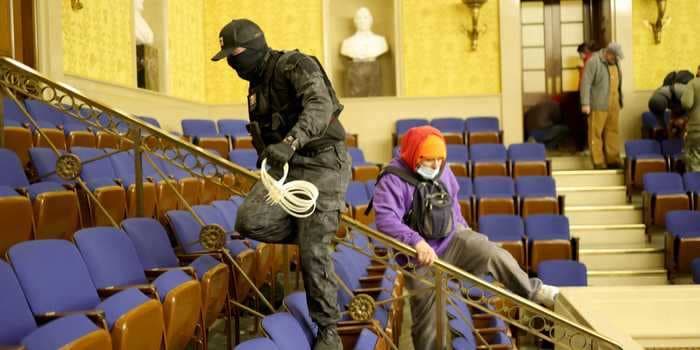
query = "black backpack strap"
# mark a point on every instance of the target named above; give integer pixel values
(402, 173)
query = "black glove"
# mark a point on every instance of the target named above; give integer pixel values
(278, 154)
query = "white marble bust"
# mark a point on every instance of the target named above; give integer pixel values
(142, 31)
(364, 46)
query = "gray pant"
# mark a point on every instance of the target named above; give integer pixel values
(474, 253)
(330, 172)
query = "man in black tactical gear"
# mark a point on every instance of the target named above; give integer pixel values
(293, 111)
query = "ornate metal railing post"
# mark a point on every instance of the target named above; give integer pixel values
(440, 300)
(138, 166)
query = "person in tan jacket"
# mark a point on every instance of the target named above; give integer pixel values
(601, 100)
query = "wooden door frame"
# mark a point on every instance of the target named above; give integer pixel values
(18, 38)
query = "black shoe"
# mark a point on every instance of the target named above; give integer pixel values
(614, 166)
(328, 339)
(599, 167)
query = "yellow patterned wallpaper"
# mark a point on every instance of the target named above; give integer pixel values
(98, 41)
(437, 60)
(288, 24)
(186, 49)
(679, 48)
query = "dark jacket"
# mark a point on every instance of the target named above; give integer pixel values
(542, 115)
(294, 98)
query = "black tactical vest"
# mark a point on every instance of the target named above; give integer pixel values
(273, 103)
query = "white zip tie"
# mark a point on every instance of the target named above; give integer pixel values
(297, 198)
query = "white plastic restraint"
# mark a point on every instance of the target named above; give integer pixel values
(297, 198)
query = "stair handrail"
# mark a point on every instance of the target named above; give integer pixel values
(516, 310)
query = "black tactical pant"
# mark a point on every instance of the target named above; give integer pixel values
(329, 170)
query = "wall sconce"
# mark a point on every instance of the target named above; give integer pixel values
(661, 21)
(476, 30)
(76, 5)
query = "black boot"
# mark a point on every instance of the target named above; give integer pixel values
(328, 339)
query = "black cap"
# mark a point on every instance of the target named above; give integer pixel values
(237, 33)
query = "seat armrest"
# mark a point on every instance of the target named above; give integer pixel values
(155, 272)
(373, 278)
(495, 346)
(373, 292)
(371, 283)
(575, 246)
(376, 268)
(12, 347)
(96, 316)
(561, 203)
(489, 330)
(353, 323)
(190, 257)
(147, 289)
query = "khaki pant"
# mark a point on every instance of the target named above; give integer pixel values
(472, 252)
(604, 137)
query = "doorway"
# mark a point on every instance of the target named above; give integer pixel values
(552, 30)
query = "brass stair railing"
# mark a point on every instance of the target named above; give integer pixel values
(449, 283)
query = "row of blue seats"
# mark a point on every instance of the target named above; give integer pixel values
(645, 156)
(494, 159)
(102, 277)
(294, 330)
(450, 124)
(149, 240)
(57, 128)
(664, 192)
(682, 239)
(43, 209)
(472, 130)
(533, 240)
(52, 207)
(479, 197)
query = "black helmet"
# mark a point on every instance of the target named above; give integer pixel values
(240, 33)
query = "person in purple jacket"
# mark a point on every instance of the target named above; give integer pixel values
(423, 152)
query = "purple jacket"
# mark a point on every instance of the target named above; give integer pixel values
(393, 198)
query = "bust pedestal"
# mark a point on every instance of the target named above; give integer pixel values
(363, 79)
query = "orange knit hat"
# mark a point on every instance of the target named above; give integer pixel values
(422, 142)
(432, 147)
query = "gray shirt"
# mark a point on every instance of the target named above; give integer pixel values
(595, 84)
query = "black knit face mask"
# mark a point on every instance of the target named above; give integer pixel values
(246, 63)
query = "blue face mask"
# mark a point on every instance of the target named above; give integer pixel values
(427, 172)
